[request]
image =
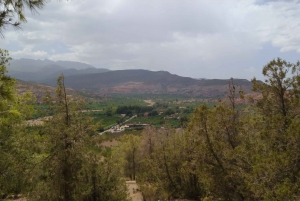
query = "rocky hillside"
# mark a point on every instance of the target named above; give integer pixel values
(149, 82)
(39, 90)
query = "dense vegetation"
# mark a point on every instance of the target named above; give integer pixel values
(58, 160)
(133, 109)
(225, 152)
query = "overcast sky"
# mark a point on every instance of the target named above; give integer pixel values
(194, 38)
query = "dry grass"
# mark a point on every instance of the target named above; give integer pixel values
(149, 102)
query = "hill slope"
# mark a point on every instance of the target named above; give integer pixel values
(39, 90)
(149, 82)
(39, 70)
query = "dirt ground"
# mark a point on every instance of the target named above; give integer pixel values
(149, 102)
(134, 192)
(112, 143)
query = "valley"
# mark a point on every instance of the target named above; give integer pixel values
(159, 99)
(88, 79)
(149, 100)
(134, 124)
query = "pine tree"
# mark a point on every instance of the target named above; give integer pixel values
(14, 109)
(66, 137)
(276, 136)
(70, 164)
(12, 11)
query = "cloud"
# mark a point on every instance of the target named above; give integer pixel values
(251, 69)
(28, 52)
(217, 39)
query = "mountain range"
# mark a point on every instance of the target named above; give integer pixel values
(150, 82)
(84, 77)
(40, 70)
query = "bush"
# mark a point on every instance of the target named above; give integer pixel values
(153, 113)
(169, 111)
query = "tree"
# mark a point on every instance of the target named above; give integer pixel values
(103, 176)
(68, 163)
(66, 138)
(153, 113)
(109, 112)
(210, 133)
(215, 139)
(169, 111)
(6, 83)
(130, 148)
(280, 90)
(12, 11)
(184, 121)
(276, 137)
(14, 109)
(165, 169)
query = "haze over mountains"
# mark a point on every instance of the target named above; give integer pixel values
(149, 82)
(85, 77)
(40, 70)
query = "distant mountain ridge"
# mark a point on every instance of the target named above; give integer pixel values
(150, 82)
(80, 76)
(33, 65)
(39, 70)
(40, 90)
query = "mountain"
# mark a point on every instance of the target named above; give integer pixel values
(27, 65)
(73, 64)
(39, 70)
(40, 90)
(80, 76)
(149, 82)
(32, 65)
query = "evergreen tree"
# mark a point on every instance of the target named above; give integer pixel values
(130, 145)
(103, 175)
(70, 165)
(66, 137)
(12, 11)
(275, 136)
(14, 109)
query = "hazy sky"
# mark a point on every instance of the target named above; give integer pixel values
(195, 38)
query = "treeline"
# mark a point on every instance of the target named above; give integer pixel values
(61, 159)
(226, 153)
(133, 109)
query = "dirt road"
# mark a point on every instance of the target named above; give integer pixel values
(134, 192)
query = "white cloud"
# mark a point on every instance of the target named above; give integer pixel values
(251, 69)
(27, 52)
(209, 38)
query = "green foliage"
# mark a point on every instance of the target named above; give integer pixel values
(135, 109)
(226, 152)
(116, 100)
(164, 171)
(12, 11)
(169, 111)
(153, 113)
(153, 120)
(230, 152)
(276, 133)
(184, 121)
(7, 84)
(109, 112)
(70, 167)
(14, 110)
(103, 178)
(130, 150)
(106, 121)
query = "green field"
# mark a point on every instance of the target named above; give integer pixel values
(170, 110)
